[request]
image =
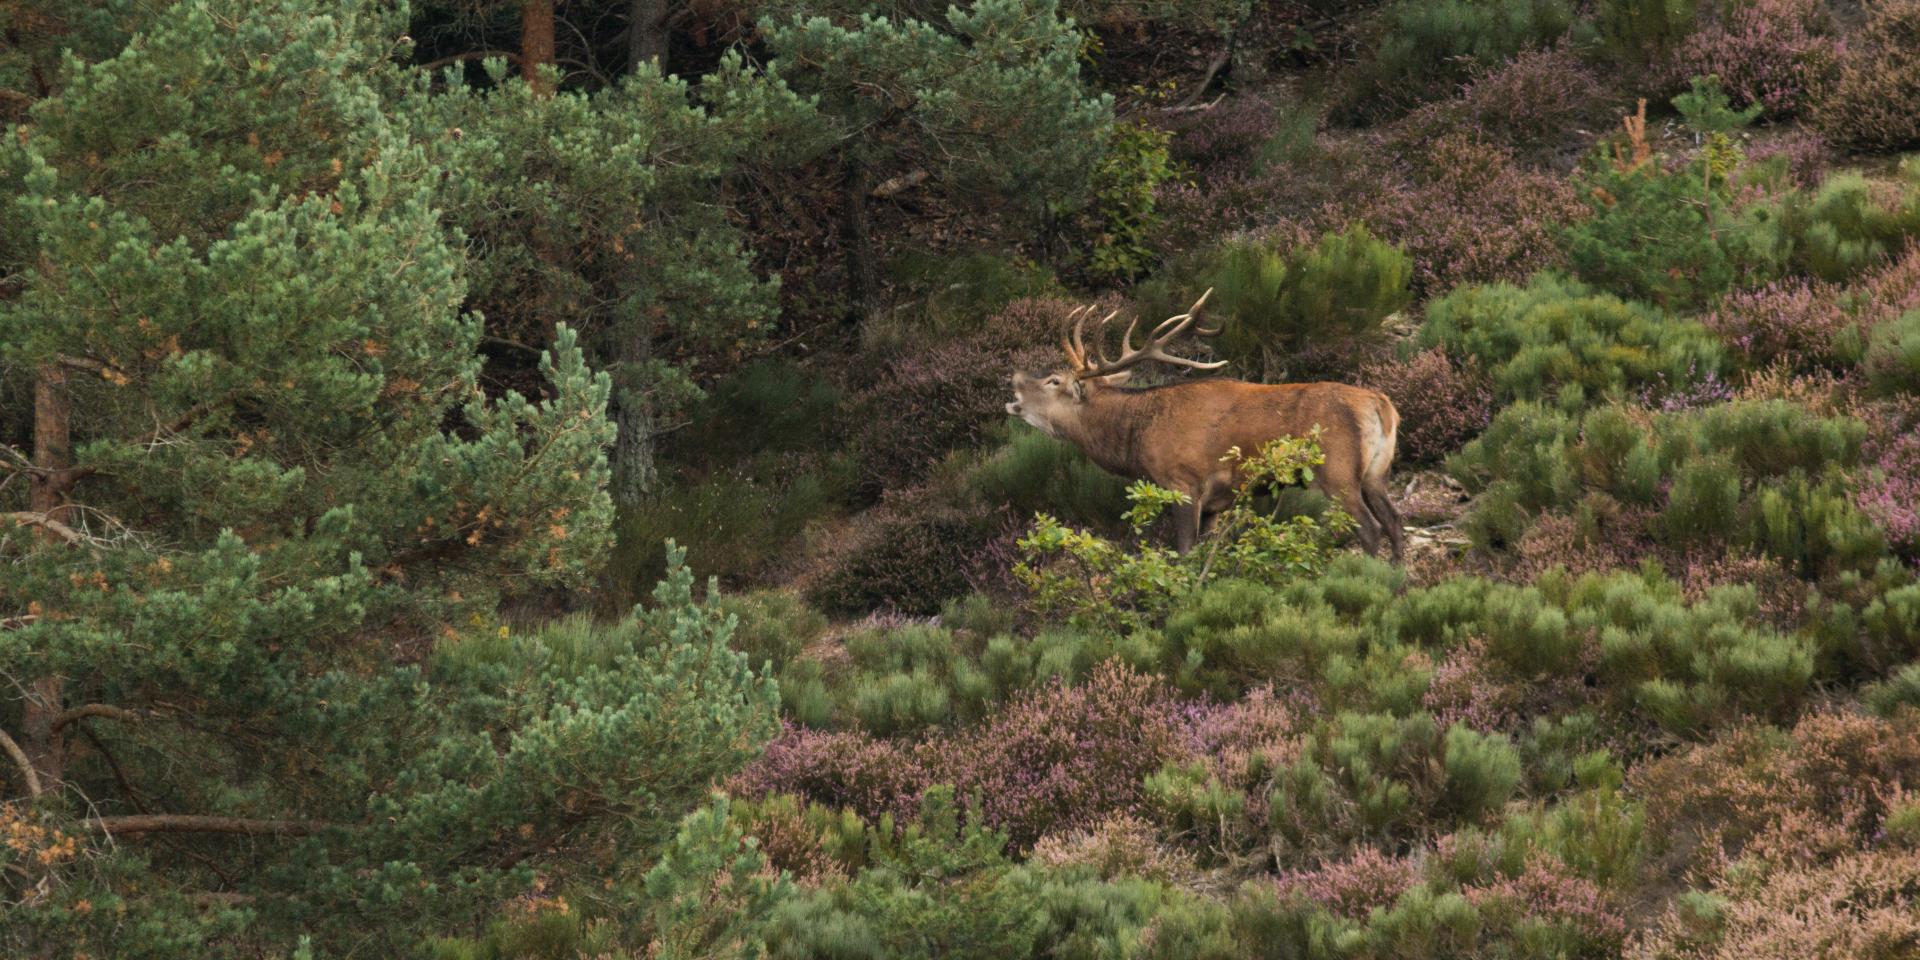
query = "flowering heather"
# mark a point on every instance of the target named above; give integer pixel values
(1793, 321)
(1467, 213)
(1356, 885)
(1860, 905)
(1801, 798)
(1890, 493)
(1530, 104)
(1121, 845)
(1694, 390)
(1546, 891)
(1776, 53)
(853, 770)
(1230, 133)
(1442, 404)
(1062, 757)
(1805, 152)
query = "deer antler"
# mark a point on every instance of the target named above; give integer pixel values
(1085, 369)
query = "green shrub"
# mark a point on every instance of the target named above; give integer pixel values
(1893, 356)
(1644, 32)
(1897, 692)
(1557, 339)
(1427, 49)
(774, 625)
(1851, 224)
(1122, 219)
(1093, 582)
(740, 526)
(1316, 307)
(1034, 473)
(1767, 475)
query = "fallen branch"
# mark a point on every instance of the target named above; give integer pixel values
(94, 710)
(899, 184)
(189, 823)
(20, 760)
(30, 518)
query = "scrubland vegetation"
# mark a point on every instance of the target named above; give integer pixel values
(524, 480)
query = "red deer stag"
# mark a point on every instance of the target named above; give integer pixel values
(1177, 435)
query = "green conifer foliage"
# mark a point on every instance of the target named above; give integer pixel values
(598, 211)
(282, 488)
(986, 99)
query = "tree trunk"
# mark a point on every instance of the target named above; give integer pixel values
(52, 461)
(647, 33)
(860, 271)
(636, 475)
(536, 42)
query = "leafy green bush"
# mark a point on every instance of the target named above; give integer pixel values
(1559, 340)
(1122, 219)
(1850, 224)
(1317, 306)
(1095, 582)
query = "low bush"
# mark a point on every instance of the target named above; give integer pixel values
(1466, 212)
(1062, 757)
(944, 296)
(1442, 404)
(741, 525)
(1778, 54)
(1645, 32)
(1283, 312)
(1889, 490)
(1425, 49)
(1869, 104)
(1528, 104)
(928, 402)
(1799, 324)
(1765, 475)
(917, 550)
(1558, 340)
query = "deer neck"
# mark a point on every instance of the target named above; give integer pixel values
(1109, 428)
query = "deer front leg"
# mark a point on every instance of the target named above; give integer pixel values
(1186, 524)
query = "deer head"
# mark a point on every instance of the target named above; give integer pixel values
(1046, 402)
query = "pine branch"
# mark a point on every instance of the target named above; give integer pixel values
(20, 760)
(95, 710)
(190, 823)
(33, 518)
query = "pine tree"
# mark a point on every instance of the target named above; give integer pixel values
(987, 102)
(262, 500)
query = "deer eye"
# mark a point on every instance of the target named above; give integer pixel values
(1053, 381)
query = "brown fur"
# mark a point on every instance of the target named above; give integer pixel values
(1175, 436)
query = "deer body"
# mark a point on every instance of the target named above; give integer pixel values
(1178, 436)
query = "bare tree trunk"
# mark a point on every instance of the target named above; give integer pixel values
(636, 474)
(860, 271)
(536, 42)
(647, 33)
(53, 462)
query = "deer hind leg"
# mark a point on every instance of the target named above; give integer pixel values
(1380, 505)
